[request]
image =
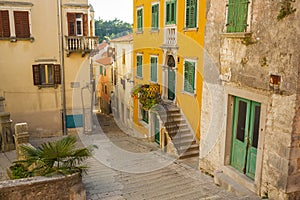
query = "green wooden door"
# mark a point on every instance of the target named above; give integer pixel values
(245, 136)
(156, 129)
(171, 84)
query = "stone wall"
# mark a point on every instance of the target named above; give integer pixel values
(244, 63)
(43, 188)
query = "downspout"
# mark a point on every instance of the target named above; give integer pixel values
(62, 63)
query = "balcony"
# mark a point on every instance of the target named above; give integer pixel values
(80, 44)
(170, 37)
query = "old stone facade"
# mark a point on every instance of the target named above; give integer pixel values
(254, 67)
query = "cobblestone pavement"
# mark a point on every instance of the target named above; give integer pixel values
(112, 177)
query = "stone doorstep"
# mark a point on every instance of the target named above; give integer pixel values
(227, 183)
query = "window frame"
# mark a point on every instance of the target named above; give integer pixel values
(139, 68)
(155, 24)
(41, 77)
(71, 17)
(185, 87)
(248, 19)
(140, 22)
(151, 68)
(12, 25)
(168, 20)
(186, 19)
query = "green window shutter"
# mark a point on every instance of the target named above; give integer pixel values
(191, 14)
(171, 12)
(140, 19)
(139, 68)
(237, 16)
(153, 61)
(101, 69)
(189, 77)
(155, 17)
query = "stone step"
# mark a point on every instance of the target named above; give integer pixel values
(229, 184)
(189, 153)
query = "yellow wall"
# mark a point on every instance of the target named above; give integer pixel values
(190, 43)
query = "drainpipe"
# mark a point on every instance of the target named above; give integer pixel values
(92, 82)
(62, 64)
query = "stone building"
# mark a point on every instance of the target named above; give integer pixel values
(44, 47)
(250, 112)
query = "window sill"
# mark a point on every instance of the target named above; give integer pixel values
(153, 82)
(138, 77)
(154, 31)
(195, 29)
(14, 39)
(47, 86)
(139, 32)
(236, 35)
(188, 93)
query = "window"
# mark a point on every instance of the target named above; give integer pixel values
(145, 116)
(139, 66)
(104, 71)
(153, 61)
(46, 74)
(4, 24)
(140, 19)
(171, 12)
(189, 76)
(237, 15)
(101, 69)
(155, 16)
(123, 57)
(77, 24)
(20, 22)
(191, 14)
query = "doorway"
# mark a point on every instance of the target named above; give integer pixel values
(156, 129)
(171, 78)
(245, 135)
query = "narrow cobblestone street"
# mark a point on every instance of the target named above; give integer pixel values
(175, 180)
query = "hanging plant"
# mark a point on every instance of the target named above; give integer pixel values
(148, 95)
(286, 9)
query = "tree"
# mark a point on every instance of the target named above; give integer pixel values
(111, 29)
(58, 157)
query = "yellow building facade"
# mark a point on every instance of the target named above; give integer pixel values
(44, 63)
(168, 51)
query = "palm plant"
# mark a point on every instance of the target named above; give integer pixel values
(58, 157)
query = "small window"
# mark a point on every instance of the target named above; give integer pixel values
(237, 13)
(171, 12)
(77, 24)
(191, 14)
(123, 57)
(155, 16)
(104, 72)
(101, 69)
(153, 68)
(189, 76)
(139, 66)
(46, 74)
(140, 20)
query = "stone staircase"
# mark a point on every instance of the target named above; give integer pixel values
(182, 137)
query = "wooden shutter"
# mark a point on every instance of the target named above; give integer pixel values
(153, 69)
(36, 74)
(71, 17)
(22, 24)
(237, 15)
(85, 25)
(57, 74)
(191, 13)
(139, 63)
(4, 24)
(189, 77)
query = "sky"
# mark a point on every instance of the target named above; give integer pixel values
(111, 9)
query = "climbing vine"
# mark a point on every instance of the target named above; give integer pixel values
(286, 8)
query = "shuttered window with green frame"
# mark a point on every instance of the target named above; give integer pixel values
(153, 68)
(140, 19)
(189, 76)
(171, 12)
(237, 15)
(191, 14)
(139, 66)
(155, 16)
